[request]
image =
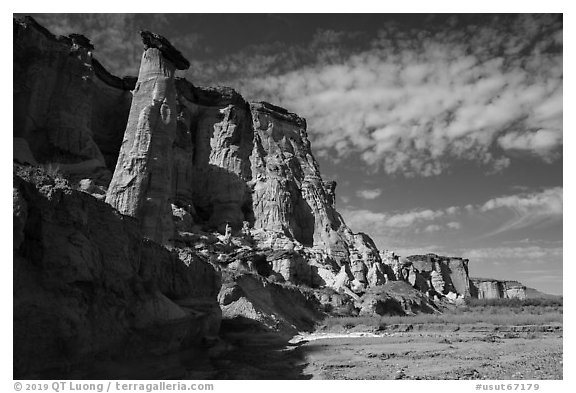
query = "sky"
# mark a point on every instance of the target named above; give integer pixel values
(443, 132)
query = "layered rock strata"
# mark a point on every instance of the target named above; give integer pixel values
(430, 273)
(447, 276)
(443, 274)
(486, 288)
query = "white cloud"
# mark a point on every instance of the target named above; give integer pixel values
(393, 224)
(450, 226)
(547, 202)
(369, 194)
(433, 228)
(528, 209)
(525, 253)
(454, 225)
(410, 218)
(411, 103)
(504, 213)
(541, 142)
(344, 199)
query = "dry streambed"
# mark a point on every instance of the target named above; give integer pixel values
(422, 352)
(402, 351)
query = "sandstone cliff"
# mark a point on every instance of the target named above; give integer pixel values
(486, 288)
(442, 274)
(68, 111)
(200, 153)
(447, 276)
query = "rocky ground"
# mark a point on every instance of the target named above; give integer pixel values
(402, 352)
(480, 354)
(462, 352)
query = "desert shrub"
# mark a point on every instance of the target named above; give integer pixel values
(53, 170)
(488, 316)
(514, 303)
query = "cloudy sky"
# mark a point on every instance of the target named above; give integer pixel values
(444, 132)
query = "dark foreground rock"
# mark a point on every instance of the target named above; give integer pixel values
(88, 286)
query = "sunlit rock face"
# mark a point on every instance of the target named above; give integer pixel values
(514, 290)
(443, 274)
(142, 182)
(487, 288)
(251, 164)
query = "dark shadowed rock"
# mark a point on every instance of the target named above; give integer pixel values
(70, 111)
(81, 41)
(395, 298)
(152, 40)
(288, 309)
(87, 284)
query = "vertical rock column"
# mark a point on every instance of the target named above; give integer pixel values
(142, 183)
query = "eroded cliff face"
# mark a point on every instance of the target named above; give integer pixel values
(86, 283)
(250, 166)
(68, 111)
(212, 156)
(486, 288)
(196, 159)
(142, 183)
(443, 274)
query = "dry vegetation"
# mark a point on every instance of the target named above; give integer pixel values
(509, 312)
